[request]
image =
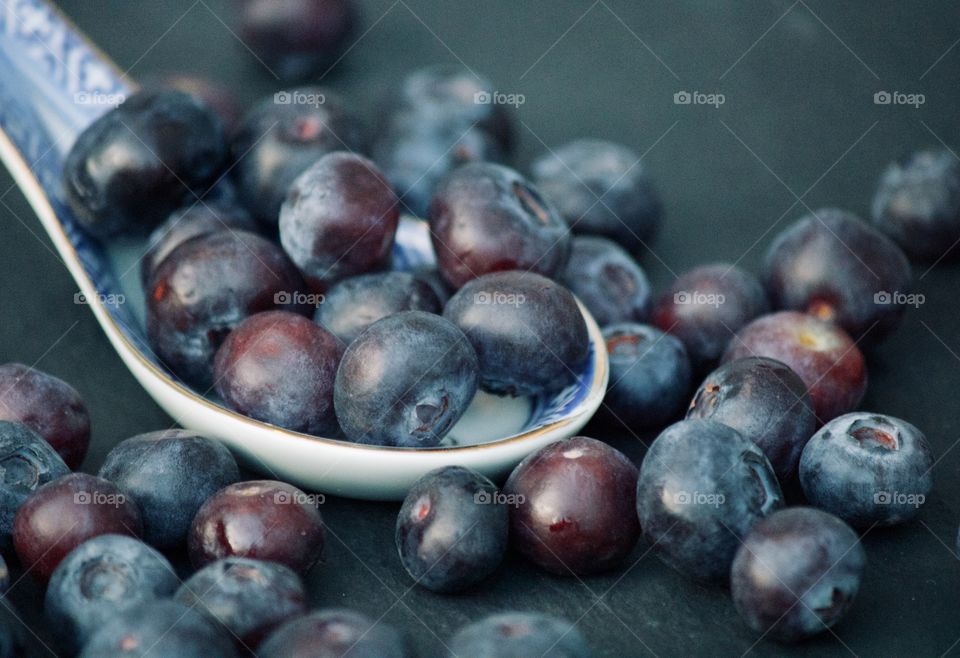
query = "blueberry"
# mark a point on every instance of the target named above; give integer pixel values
(838, 268)
(650, 376)
(796, 573)
(11, 641)
(279, 367)
(100, 579)
(702, 486)
(61, 515)
(169, 474)
(917, 203)
(335, 632)
(451, 532)
(607, 280)
(528, 331)
(135, 164)
(487, 218)
(574, 507)
(339, 219)
(27, 462)
(706, 306)
(159, 628)
(189, 222)
(297, 38)
(354, 304)
(250, 598)
(261, 519)
(424, 378)
(216, 96)
(281, 137)
(821, 353)
(47, 405)
(601, 188)
(766, 402)
(867, 469)
(519, 635)
(205, 288)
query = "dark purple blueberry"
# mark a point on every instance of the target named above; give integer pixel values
(519, 635)
(27, 462)
(281, 137)
(279, 367)
(766, 402)
(205, 288)
(189, 222)
(61, 515)
(250, 598)
(601, 188)
(47, 405)
(487, 218)
(452, 529)
(297, 39)
(354, 304)
(917, 203)
(217, 97)
(99, 580)
(796, 573)
(169, 474)
(650, 376)
(838, 268)
(11, 639)
(334, 632)
(821, 353)
(702, 486)
(137, 163)
(405, 381)
(339, 219)
(706, 306)
(261, 519)
(528, 331)
(607, 280)
(868, 469)
(160, 628)
(574, 507)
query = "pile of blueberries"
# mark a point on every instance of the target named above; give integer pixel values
(269, 284)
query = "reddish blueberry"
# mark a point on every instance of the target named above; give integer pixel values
(47, 405)
(821, 353)
(335, 632)
(519, 635)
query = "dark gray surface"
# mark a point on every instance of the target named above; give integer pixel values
(799, 119)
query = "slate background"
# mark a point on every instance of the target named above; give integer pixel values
(798, 121)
